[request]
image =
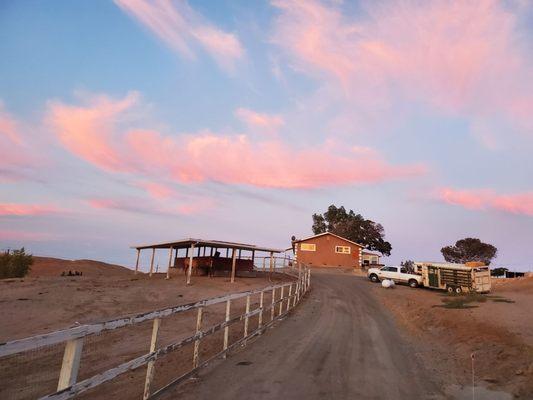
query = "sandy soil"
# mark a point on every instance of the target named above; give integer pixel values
(497, 328)
(45, 302)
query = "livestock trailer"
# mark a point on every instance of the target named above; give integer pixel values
(455, 278)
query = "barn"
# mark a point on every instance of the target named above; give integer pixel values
(328, 250)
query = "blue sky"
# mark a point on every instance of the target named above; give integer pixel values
(133, 121)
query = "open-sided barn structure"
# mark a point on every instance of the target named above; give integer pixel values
(208, 257)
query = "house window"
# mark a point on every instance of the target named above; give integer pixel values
(343, 249)
(374, 260)
(308, 247)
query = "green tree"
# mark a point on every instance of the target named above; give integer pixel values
(353, 227)
(15, 264)
(469, 249)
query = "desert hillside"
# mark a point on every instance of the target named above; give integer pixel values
(47, 266)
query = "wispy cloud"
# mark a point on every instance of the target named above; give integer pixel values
(268, 123)
(485, 199)
(183, 29)
(140, 206)
(20, 210)
(465, 58)
(91, 132)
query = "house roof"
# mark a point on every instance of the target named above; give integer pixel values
(328, 233)
(369, 253)
(184, 243)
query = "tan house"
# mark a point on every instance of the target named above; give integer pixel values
(371, 259)
(328, 250)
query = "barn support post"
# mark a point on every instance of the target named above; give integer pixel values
(150, 369)
(271, 261)
(273, 306)
(196, 354)
(189, 271)
(169, 261)
(281, 301)
(264, 264)
(71, 364)
(247, 319)
(152, 262)
(226, 328)
(253, 258)
(260, 317)
(137, 262)
(289, 298)
(233, 265)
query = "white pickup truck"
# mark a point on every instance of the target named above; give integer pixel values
(397, 274)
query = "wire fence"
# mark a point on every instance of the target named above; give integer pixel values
(142, 355)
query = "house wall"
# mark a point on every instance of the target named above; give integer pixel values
(370, 259)
(325, 255)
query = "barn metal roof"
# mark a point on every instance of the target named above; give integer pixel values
(184, 243)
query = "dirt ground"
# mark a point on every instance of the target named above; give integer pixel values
(46, 301)
(497, 328)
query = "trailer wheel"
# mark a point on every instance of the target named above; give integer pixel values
(458, 290)
(374, 278)
(450, 289)
(413, 283)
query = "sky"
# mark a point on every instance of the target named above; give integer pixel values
(133, 121)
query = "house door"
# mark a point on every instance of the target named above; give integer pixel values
(433, 277)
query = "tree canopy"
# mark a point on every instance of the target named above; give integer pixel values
(469, 249)
(353, 227)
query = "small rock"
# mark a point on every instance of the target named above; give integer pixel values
(519, 372)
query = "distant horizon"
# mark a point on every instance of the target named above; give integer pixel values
(125, 121)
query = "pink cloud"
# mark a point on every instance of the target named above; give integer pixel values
(9, 127)
(12, 235)
(158, 190)
(13, 209)
(467, 58)
(91, 132)
(179, 26)
(520, 203)
(15, 154)
(268, 123)
(197, 206)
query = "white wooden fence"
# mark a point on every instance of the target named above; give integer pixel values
(289, 295)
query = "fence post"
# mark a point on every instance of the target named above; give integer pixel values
(195, 358)
(308, 278)
(246, 319)
(289, 299)
(296, 294)
(272, 309)
(151, 364)
(260, 317)
(281, 302)
(71, 364)
(226, 328)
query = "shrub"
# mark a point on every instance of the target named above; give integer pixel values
(15, 264)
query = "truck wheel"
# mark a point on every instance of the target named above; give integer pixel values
(458, 290)
(413, 283)
(450, 289)
(374, 278)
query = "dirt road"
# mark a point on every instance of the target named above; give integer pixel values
(338, 344)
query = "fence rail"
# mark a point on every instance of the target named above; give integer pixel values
(68, 387)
